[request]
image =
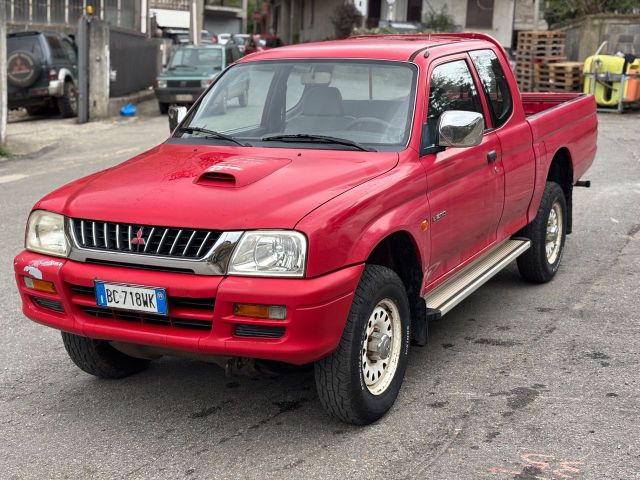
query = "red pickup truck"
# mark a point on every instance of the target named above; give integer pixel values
(367, 186)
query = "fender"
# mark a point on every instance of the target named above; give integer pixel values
(345, 230)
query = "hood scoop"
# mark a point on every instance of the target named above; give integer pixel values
(237, 172)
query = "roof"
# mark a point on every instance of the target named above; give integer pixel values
(383, 47)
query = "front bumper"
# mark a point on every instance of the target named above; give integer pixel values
(317, 309)
(178, 95)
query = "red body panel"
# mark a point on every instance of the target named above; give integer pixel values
(345, 202)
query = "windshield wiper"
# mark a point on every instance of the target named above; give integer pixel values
(305, 137)
(213, 134)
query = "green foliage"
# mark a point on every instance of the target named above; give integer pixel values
(438, 21)
(344, 18)
(3, 152)
(556, 11)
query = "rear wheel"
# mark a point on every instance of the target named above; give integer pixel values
(68, 103)
(359, 382)
(99, 358)
(547, 233)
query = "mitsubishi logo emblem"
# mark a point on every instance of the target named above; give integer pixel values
(138, 240)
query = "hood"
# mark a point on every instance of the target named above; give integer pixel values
(222, 188)
(206, 72)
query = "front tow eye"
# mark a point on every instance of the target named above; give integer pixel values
(379, 346)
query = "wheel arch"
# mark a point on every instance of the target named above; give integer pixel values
(561, 172)
(399, 252)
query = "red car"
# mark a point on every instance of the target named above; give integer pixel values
(368, 186)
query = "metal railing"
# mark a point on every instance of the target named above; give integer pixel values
(121, 13)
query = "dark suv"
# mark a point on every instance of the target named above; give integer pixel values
(42, 72)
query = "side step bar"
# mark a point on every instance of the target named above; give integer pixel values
(453, 291)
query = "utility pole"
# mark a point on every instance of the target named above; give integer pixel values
(196, 23)
(3, 74)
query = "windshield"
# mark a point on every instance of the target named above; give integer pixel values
(196, 58)
(363, 101)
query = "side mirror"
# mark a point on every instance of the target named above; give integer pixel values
(176, 115)
(457, 128)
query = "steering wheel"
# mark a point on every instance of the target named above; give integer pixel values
(379, 126)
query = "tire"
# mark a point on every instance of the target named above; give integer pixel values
(98, 358)
(345, 391)
(68, 102)
(243, 99)
(538, 265)
(163, 107)
(22, 69)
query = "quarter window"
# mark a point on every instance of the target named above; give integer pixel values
(494, 84)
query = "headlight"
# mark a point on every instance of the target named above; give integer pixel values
(45, 234)
(270, 253)
(161, 83)
(205, 83)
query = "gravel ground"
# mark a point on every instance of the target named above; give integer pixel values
(520, 381)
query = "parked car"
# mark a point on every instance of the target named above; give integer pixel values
(191, 69)
(223, 38)
(245, 43)
(42, 72)
(265, 42)
(371, 185)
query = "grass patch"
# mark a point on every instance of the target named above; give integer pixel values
(3, 152)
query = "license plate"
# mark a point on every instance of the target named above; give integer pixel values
(131, 297)
(184, 98)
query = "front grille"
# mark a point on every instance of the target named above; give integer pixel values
(143, 239)
(262, 331)
(47, 303)
(184, 312)
(183, 84)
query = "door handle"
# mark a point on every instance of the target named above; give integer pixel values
(491, 156)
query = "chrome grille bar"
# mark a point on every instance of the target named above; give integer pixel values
(178, 243)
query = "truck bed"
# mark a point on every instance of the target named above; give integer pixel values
(566, 120)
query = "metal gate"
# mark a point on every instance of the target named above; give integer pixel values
(134, 61)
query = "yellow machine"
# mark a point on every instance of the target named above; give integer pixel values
(606, 71)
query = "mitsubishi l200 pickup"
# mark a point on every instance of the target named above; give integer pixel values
(368, 186)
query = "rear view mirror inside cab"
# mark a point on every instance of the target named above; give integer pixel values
(316, 78)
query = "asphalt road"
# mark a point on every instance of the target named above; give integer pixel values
(520, 381)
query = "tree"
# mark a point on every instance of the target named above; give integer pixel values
(344, 18)
(556, 11)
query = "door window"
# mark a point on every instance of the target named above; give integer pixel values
(70, 51)
(494, 84)
(452, 88)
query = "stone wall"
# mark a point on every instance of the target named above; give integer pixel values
(584, 36)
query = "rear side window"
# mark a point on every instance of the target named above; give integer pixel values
(452, 88)
(494, 84)
(55, 45)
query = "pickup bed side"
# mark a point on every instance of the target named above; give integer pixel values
(564, 131)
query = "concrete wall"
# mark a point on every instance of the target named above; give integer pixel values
(321, 28)
(503, 11)
(584, 36)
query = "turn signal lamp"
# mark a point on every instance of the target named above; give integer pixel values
(271, 312)
(39, 285)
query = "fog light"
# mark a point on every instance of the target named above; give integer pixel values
(272, 312)
(40, 285)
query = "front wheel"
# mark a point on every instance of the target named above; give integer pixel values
(547, 233)
(359, 382)
(163, 108)
(99, 358)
